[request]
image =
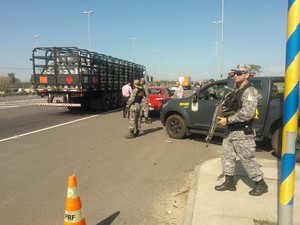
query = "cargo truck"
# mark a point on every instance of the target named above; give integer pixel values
(185, 82)
(78, 78)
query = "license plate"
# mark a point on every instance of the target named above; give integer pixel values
(58, 99)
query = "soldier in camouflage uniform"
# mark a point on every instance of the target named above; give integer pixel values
(145, 103)
(134, 104)
(239, 134)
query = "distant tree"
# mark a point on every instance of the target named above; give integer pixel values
(26, 84)
(256, 68)
(13, 78)
(163, 82)
(5, 83)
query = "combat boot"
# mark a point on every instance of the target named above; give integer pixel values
(148, 120)
(259, 188)
(228, 185)
(130, 135)
(136, 134)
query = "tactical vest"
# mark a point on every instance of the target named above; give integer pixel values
(232, 103)
(139, 94)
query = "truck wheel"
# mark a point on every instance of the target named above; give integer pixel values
(120, 102)
(105, 101)
(176, 127)
(114, 100)
(276, 141)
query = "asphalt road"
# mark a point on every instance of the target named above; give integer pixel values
(120, 181)
(19, 115)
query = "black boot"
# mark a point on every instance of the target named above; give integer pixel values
(130, 135)
(259, 188)
(136, 134)
(228, 185)
(148, 120)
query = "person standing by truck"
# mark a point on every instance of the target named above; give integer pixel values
(239, 133)
(134, 104)
(179, 91)
(126, 92)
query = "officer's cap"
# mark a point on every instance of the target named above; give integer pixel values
(242, 68)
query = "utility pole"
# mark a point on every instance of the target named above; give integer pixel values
(133, 52)
(89, 29)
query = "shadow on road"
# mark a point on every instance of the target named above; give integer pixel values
(151, 130)
(80, 111)
(109, 220)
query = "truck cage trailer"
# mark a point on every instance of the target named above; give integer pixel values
(73, 77)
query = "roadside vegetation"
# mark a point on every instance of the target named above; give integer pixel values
(11, 85)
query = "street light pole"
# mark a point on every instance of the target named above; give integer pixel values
(217, 42)
(133, 52)
(216, 75)
(89, 29)
(222, 46)
(37, 36)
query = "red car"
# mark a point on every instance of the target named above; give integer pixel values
(158, 96)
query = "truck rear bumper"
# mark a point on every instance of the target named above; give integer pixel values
(60, 104)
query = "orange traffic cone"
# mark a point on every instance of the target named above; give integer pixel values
(73, 214)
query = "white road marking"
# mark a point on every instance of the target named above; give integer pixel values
(47, 128)
(20, 103)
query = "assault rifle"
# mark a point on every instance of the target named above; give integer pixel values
(218, 112)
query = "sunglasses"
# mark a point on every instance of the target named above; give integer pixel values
(239, 73)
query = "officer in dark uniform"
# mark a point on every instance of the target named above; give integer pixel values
(239, 135)
(134, 104)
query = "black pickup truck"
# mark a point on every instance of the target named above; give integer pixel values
(193, 114)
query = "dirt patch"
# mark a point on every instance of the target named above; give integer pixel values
(169, 209)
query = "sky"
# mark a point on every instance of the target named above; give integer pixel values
(173, 37)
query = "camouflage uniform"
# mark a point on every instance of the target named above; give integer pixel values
(134, 103)
(134, 119)
(238, 111)
(145, 103)
(237, 143)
